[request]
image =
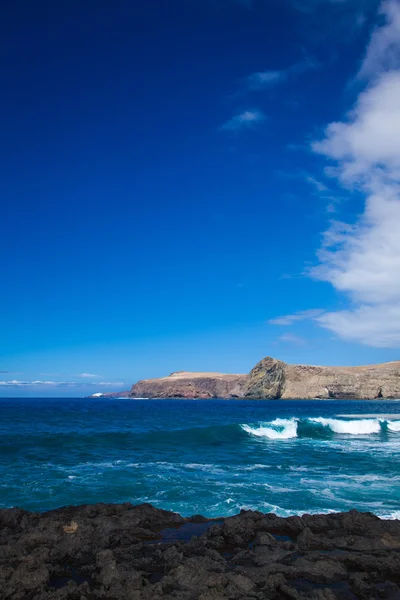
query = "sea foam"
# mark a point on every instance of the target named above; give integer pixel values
(356, 427)
(393, 426)
(284, 429)
(279, 429)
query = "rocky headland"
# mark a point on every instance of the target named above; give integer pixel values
(126, 552)
(191, 385)
(275, 379)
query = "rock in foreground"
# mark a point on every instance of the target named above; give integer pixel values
(125, 552)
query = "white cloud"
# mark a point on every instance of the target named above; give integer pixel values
(368, 139)
(302, 315)
(383, 52)
(374, 325)
(16, 382)
(245, 120)
(39, 383)
(88, 375)
(363, 259)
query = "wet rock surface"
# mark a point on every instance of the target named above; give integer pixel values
(126, 552)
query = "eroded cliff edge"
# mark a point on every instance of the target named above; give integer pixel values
(275, 379)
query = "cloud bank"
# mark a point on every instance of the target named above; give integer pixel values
(362, 259)
(58, 384)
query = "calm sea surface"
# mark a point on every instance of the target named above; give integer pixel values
(210, 457)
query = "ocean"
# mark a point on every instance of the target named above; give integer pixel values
(210, 457)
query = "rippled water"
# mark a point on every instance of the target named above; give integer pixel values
(210, 457)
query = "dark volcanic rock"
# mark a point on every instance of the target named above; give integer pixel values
(125, 552)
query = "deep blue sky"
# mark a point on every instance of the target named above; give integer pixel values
(142, 229)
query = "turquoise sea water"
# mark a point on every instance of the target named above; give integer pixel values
(210, 457)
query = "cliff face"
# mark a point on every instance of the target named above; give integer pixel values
(191, 385)
(274, 379)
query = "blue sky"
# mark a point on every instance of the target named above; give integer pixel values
(194, 185)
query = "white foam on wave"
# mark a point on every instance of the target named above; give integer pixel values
(256, 467)
(280, 429)
(391, 516)
(356, 427)
(393, 426)
(284, 429)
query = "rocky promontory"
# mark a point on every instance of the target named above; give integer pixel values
(274, 379)
(126, 552)
(191, 385)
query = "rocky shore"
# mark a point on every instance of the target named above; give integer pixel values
(126, 552)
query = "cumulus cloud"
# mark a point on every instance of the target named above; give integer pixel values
(245, 120)
(362, 259)
(383, 52)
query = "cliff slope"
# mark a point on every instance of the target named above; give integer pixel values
(274, 379)
(191, 385)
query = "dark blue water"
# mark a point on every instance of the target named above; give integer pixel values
(209, 457)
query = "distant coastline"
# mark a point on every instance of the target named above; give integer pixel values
(272, 379)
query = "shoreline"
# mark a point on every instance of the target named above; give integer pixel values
(126, 552)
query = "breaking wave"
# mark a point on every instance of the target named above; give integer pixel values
(356, 427)
(320, 427)
(280, 429)
(393, 426)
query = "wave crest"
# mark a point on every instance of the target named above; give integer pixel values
(355, 427)
(317, 427)
(280, 429)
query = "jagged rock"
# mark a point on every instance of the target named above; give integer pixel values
(117, 552)
(272, 378)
